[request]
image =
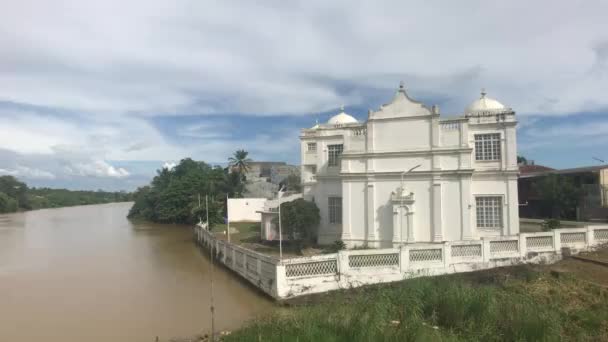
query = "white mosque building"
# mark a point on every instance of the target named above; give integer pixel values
(407, 175)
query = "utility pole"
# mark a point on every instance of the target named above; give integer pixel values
(211, 275)
(227, 220)
(200, 220)
(279, 195)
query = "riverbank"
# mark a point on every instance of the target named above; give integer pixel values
(566, 301)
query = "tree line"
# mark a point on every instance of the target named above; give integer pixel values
(173, 195)
(16, 196)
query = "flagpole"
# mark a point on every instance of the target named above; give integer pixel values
(227, 220)
(199, 208)
(280, 228)
(212, 308)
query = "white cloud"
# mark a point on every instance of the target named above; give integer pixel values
(26, 172)
(192, 57)
(96, 168)
(169, 165)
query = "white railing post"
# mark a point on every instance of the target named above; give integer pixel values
(244, 270)
(224, 253)
(557, 241)
(404, 255)
(281, 288)
(523, 245)
(486, 250)
(447, 255)
(343, 267)
(590, 237)
(259, 267)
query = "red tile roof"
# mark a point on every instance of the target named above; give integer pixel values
(527, 169)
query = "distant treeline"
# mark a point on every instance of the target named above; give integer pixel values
(16, 195)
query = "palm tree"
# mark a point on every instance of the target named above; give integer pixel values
(240, 161)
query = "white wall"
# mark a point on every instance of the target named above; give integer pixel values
(244, 209)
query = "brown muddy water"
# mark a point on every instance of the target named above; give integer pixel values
(88, 274)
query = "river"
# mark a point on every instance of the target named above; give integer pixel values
(88, 274)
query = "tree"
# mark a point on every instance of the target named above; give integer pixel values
(521, 160)
(292, 183)
(16, 190)
(300, 219)
(7, 204)
(240, 161)
(172, 196)
(559, 195)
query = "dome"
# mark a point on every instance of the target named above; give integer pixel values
(342, 118)
(485, 104)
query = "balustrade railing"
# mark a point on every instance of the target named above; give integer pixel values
(293, 277)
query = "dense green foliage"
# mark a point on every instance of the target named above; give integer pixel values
(7, 203)
(299, 220)
(173, 195)
(549, 224)
(15, 195)
(559, 195)
(528, 306)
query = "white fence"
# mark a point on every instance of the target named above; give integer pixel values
(351, 268)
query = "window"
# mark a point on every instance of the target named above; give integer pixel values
(312, 147)
(333, 154)
(489, 211)
(335, 209)
(487, 146)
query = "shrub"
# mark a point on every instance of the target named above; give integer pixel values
(300, 220)
(550, 224)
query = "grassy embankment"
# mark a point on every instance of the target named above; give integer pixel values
(512, 304)
(249, 236)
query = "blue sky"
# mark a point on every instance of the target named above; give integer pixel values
(101, 94)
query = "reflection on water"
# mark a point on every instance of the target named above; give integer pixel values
(88, 274)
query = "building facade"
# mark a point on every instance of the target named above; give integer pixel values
(406, 175)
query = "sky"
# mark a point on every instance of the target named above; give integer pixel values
(100, 94)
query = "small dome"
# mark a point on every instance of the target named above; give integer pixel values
(484, 104)
(342, 118)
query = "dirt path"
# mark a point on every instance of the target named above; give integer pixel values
(584, 270)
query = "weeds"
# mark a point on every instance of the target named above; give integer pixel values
(452, 308)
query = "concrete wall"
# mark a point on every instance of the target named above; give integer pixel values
(245, 209)
(293, 277)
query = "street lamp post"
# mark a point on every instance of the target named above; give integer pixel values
(402, 205)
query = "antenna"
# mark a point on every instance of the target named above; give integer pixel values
(599, 160)
(212, 308)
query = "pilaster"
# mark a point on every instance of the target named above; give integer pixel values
(371, 212)
(465, 208)
(437, 212)
(346, 210)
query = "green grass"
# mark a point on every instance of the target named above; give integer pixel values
(248, 231)
(526, 306)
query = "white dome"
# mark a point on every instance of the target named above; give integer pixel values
(342, 118)
(484, 104)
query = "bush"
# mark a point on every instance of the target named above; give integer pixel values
(549, 224)
(300, 220)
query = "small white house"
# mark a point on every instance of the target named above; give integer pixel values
(245, 209)
(407, 175)
(270, 211)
